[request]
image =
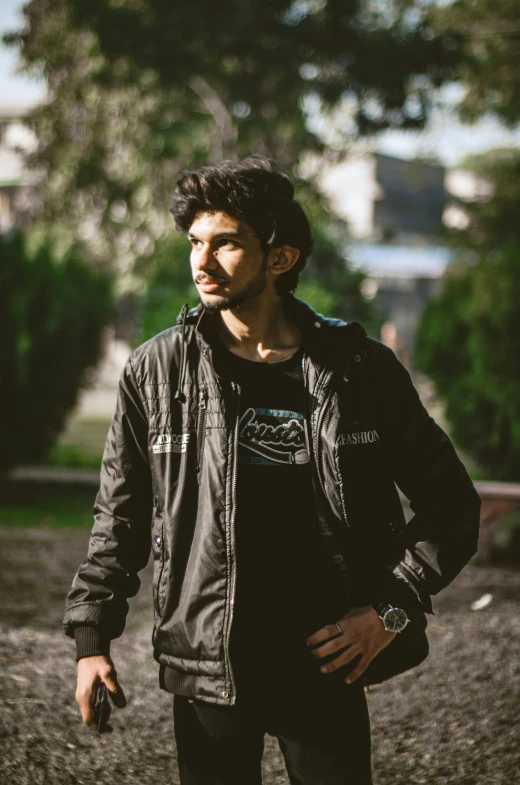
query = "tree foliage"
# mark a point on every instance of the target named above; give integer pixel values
(493, 217)
(469, 338)
(169, 286)
(488, 42)
(51, 321)
(141, 89)
(331, 287)
(469, 343)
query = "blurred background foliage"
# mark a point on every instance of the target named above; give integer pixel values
(170, 285)
(52, 317)
(468, 340)
(469, 344)
(487, 33)
(493, 218)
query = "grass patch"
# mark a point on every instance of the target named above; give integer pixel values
(81, 444)
(73, 457)
(52, 506)
(89, 433)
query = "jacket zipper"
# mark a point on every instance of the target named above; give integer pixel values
(342, 496)
(201, 426)
(232, 543)
(319, 441)
(316, 451)
(317, 431)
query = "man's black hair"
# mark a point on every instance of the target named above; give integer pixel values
(253, 190)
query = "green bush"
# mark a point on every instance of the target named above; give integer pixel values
(331, 287)
(468, 343)
(51, 320)
(168, 286)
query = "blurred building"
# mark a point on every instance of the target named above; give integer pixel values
(396, 211)
(16, 138)
(389, 200)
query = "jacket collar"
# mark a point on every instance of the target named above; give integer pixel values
(330, 343)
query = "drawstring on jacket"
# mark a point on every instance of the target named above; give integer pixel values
(179, 395)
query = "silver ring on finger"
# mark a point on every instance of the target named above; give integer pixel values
(339, 628)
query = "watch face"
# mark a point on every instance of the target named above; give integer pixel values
(395, 620)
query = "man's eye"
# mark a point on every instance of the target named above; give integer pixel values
(228, 243)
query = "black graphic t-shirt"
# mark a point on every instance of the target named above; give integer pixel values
(287, 586)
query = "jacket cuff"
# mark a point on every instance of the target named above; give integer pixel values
(395, 591)
(90, 642)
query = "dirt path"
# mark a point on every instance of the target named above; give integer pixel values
(453, 720)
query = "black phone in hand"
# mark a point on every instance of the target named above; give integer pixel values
(101, 708)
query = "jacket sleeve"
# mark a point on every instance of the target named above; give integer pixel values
(120, 540)
(443, 534)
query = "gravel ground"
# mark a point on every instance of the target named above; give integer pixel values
(452, 720)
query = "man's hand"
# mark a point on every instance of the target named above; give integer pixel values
(362, 633)
(91, 671)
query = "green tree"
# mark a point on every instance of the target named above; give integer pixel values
(330, 286)
(51, 321)
(487, 36)
(469, 343)
(493, 218)
(169, 286)
(140, 90)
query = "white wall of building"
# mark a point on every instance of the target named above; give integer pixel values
(352, 189)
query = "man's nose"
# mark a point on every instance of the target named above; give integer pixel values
(204, 258)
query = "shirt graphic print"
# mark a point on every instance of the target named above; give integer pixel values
(271, 437)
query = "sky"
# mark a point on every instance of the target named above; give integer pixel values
(444, 138)
(15, 90)
(448, 140)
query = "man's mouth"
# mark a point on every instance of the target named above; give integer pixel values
(209, 284)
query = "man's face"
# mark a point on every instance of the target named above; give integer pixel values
(227, 261)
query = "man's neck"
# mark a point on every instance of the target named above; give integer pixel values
(259, 331)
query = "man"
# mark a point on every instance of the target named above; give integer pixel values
(256, 449)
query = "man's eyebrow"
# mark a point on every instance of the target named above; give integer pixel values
(217, 236)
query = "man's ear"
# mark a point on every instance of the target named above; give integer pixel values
(282, 259)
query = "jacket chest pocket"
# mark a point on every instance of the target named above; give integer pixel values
(367, 488)
(359, 456)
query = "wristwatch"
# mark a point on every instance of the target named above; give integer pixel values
(394, 619)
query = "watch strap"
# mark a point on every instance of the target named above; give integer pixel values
(382, 607)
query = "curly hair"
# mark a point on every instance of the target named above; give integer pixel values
(252, 190)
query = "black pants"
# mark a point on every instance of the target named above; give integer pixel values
(324, 737)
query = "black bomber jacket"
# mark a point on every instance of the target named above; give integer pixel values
(168, 486)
